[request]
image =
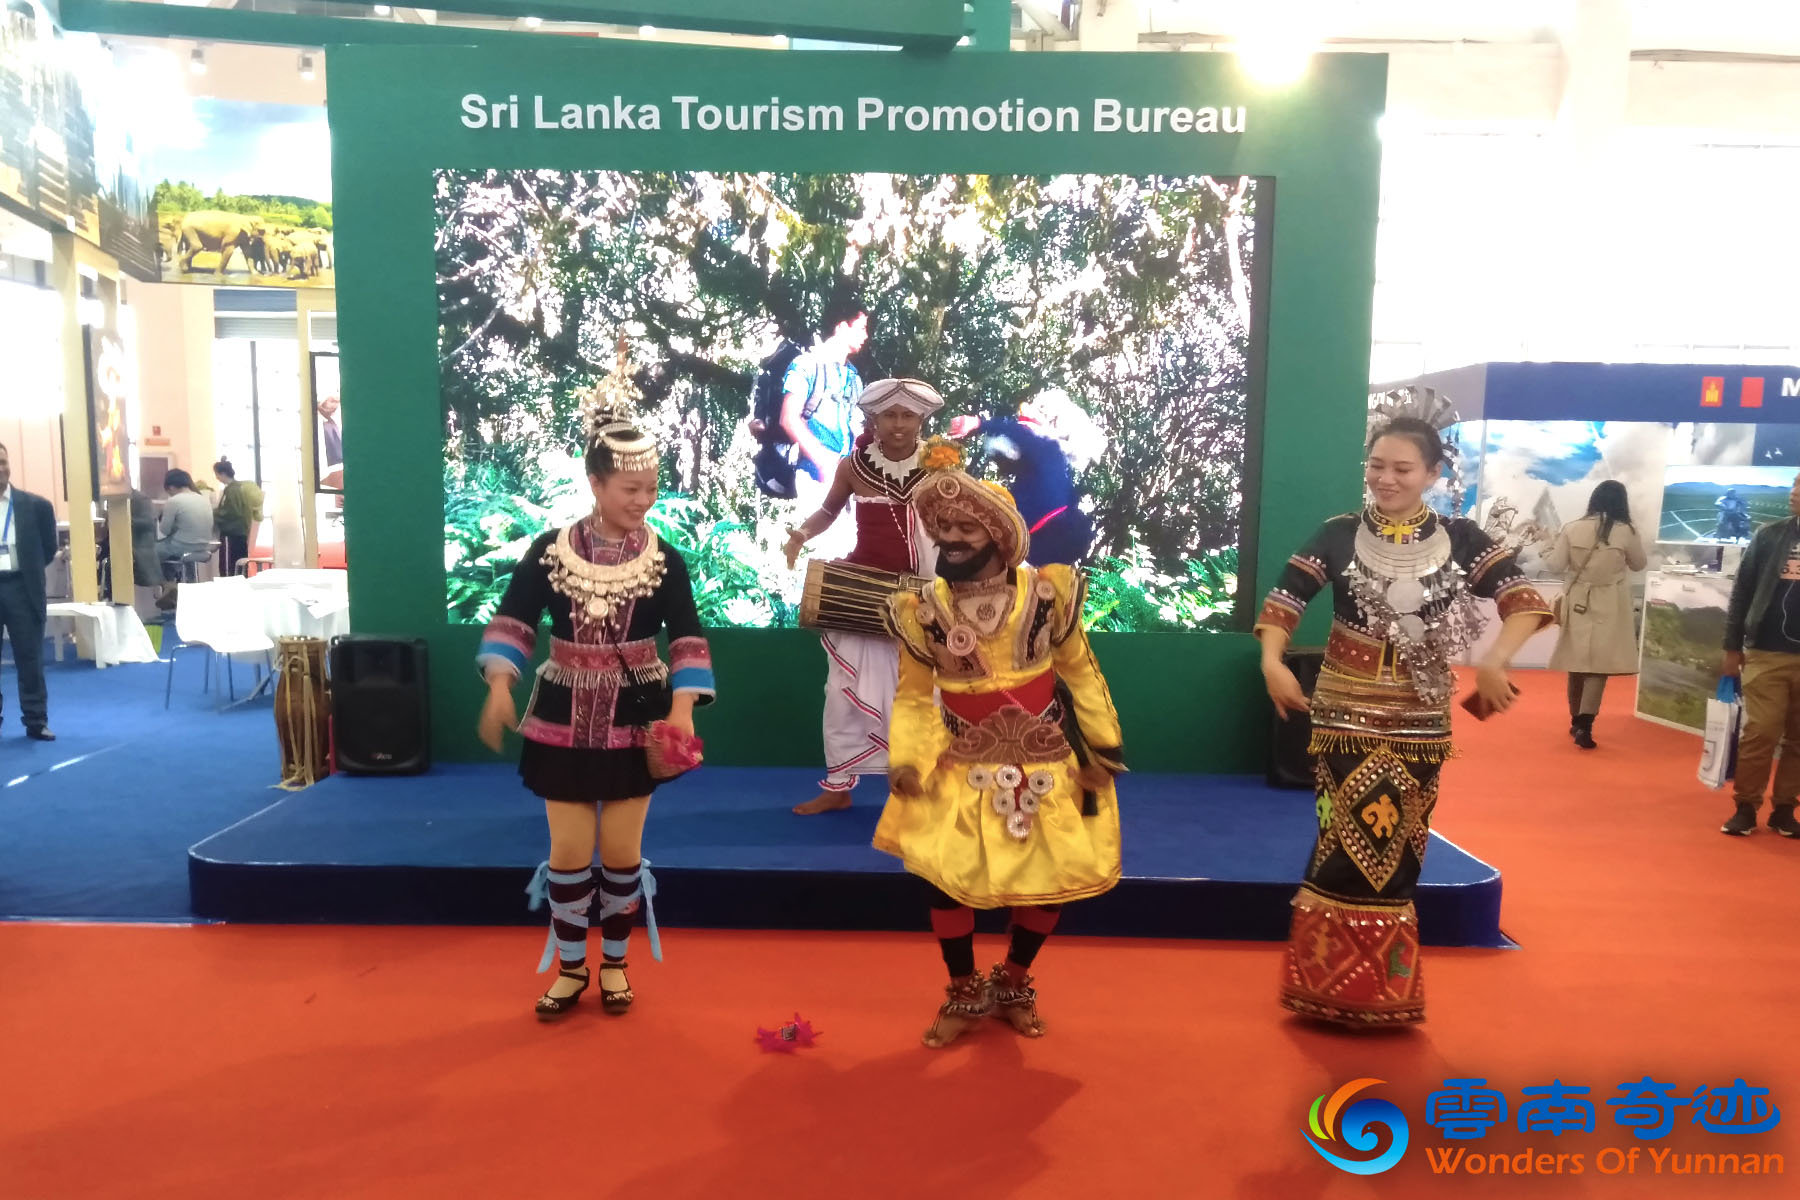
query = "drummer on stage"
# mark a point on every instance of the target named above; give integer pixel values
(861, 671)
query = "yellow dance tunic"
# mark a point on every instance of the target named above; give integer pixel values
(1001, 821)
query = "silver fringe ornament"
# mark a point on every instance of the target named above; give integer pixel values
(1411, 589)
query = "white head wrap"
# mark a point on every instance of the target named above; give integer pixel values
(915, 395)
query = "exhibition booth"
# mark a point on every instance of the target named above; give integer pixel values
(506, 254)
(1706, 453)
(1076, 249)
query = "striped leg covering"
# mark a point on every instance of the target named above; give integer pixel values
(569, 894)
(622, 889)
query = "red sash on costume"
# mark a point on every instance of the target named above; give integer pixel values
(1034, 696)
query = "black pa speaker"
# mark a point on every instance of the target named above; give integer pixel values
(380, 705)
(1290, 762)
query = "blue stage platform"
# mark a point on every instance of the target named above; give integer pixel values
(1205, 857)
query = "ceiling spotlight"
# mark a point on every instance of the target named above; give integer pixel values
(384, 10)
(533, 22)
(306, 67)
(646, 31)
(1275, 48)
(197, 61)
(781, 41)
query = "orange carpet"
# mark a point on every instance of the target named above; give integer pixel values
(398, 1062)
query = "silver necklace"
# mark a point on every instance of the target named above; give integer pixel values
(600, 589)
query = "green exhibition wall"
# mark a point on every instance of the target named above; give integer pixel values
(1189, 702)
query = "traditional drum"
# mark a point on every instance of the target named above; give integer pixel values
(853, 598)
(302, 711)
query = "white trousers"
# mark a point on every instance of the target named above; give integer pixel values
(861, 674)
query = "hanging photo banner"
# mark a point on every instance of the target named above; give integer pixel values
(108, 382)
(248, 203)
(68, 152)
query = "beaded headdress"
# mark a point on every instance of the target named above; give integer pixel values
(609, 416)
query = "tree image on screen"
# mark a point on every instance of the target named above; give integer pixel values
(1090, 335)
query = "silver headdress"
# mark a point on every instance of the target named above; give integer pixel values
(1439, 410)
(609, 414)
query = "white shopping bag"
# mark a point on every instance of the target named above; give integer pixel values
(1724, 714)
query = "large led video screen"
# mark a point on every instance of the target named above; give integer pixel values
(1093, 337)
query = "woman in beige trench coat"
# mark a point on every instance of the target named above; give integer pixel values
(1596, 556)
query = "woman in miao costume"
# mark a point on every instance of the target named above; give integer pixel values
(1404, 582)
(610, 586)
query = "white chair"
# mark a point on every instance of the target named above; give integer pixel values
(225, 617)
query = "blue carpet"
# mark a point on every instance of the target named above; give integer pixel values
(97, 824)
(1204, 857)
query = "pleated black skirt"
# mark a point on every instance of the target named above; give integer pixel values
(585, 776)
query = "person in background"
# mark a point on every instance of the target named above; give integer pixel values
(146, 571)
(819, 409)
(878, 480)
(186, 528)
(240, 512)
(331, 442)
(1596, 555)
(27, 544)
(1762, 645)
(1734, 517)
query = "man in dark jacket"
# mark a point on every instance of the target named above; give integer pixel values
(1762, 645)
(27, 544)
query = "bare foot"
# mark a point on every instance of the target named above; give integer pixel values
(947, 1029)
(966, 1002)
(823, 802)
(1023, 1019)
(1015, 1002)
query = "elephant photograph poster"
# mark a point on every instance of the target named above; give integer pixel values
(246, 200)
(1091, 335)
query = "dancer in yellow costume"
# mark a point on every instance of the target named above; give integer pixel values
(1002, 747)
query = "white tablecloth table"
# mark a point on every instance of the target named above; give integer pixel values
(106, 633)
(303, 603)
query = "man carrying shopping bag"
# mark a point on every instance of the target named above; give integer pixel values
(1762, 645)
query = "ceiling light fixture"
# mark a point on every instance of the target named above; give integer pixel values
(384, 10)
(646, 31)
(533, 22)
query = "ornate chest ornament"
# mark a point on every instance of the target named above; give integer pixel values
(1412, 591)
(600, 589)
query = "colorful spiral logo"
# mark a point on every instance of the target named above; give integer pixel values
(1374, 1128)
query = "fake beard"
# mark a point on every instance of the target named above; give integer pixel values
(969, 568)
